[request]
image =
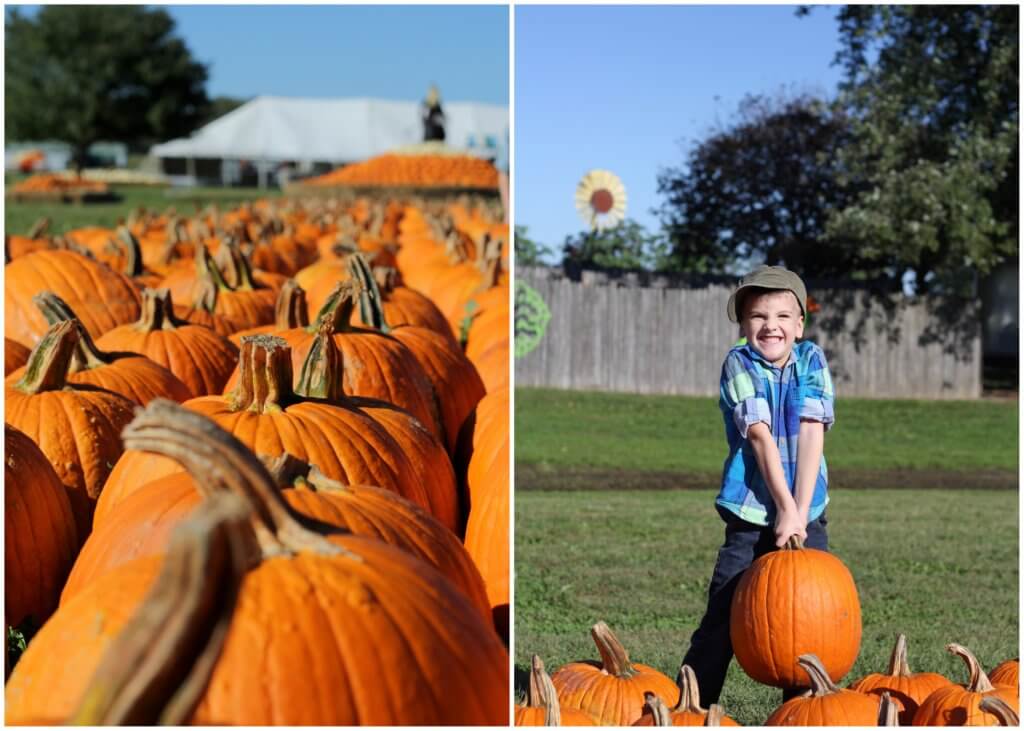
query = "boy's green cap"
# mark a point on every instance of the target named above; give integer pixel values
(770, 278)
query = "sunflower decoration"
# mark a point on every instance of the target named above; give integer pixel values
(601, 200)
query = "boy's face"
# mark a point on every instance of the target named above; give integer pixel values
(772, 323)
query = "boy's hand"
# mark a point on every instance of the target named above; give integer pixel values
(788, 523)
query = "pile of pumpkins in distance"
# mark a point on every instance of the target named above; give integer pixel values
(312, 396)
(795, 618)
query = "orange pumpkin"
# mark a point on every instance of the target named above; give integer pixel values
(290, 311)
(1001, 710)
(1006, 673)
(959, 705)
(687, 712)
(542, 707)
(15, 355)
(907, 689)
(40, 538)
(827, 704)
(231, 289)
(792, 602)
(611, 691)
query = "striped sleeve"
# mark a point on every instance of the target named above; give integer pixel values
(743, 393)
(816, 383)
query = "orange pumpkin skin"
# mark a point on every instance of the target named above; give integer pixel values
(526, 716)
(310, 638)
(101, 297)
(40, 538)
(1006, 673)
(199, 316)
(955, 705)
(493, 366)
(844, 708)
(15, 355)
(685, 718)
(907, 690)
(793, 602)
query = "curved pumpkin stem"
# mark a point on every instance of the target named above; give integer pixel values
(715, 715)
(49, 363)
(265, 375)
(234, 266)
(209, 279)
(821, 683)
(338, 308)
(1002, 710)
(542, 693)
(217, 461)
(387, 279)
(87, 355)
(888, 711)
(321, 375)
(371, 303)
(689, 692)
(290, 309)
(794, 543)
(156, 670)
(979, 682)
(39, 228)
(158, 311)
(659, 712)
(132, 251)
(898, 665)
(613, 655)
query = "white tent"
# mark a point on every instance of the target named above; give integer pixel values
(270, 129)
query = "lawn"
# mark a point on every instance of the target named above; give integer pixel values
(937, 565)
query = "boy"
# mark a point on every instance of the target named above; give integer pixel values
(777, 402)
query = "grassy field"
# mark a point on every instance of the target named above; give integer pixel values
(939, 565)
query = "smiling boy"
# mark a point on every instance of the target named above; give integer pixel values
(777, 401)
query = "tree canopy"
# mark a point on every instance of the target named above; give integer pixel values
(627, 246)
(86, 73)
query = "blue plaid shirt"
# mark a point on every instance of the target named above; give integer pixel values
(753, 390)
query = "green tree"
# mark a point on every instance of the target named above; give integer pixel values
(760, 190)
(86, 73)
(528, 251)
(627, 246)
(221, 105)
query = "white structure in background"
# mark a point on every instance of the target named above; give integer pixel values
(317, 135)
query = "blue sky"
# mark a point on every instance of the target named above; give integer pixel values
(630, 89)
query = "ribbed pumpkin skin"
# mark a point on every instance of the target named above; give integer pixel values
(844, 708)
(493, 366)
(525, 716)
(610, 700)
(487, 534)
(1006, 673)
(15, 355)
(101, 298)
(405, 306)
(195, 354)
(907, 692)
(790, 603)
(955, 705)
(142, 524)
(344, 443)
(197, 316)
(685, 718)
(313, 641)
(138, 379)
(40, 538)
(79, 431)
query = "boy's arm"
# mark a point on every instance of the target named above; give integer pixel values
(808, 463)
(787, 519)
(817, 415)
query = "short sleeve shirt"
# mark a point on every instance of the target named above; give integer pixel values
(754, 390)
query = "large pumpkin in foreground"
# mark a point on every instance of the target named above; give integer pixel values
(793, 602)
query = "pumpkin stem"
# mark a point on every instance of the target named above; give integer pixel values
(542, 693)
(371, 304)
(234, 266)
(979, 682)
(888, 711)
(322, 374)
(1002, 710)
(387, 279)
(132, 251)
(794, 543)
(338, 308)
(898, 665)
(207, 272)
(290, 309)
(87, 355)
(39, 228)
(689, 692)
(217, 461)
(265, 375)
(614, 658)
(48, 364)
(157, 668)
(656, 708)
(821, 683)
(157, 311)
(715, 715)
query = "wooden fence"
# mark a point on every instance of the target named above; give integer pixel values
(617, 335)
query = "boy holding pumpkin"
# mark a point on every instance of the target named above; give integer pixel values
(777, 402)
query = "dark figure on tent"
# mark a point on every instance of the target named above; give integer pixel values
(433, 116)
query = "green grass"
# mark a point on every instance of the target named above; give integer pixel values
(940, 566)
(571, 430)
(19, 217)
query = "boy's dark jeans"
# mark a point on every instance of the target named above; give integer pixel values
(710, 647)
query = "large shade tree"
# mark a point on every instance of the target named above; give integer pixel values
(86, 73)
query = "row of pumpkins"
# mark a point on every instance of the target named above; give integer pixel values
(257, 466)
(795, 622)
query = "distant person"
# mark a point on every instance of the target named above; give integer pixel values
(777, 401)
(433, 116)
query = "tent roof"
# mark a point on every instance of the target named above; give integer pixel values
(334, 130)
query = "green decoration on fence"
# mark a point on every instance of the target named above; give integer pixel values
(531, 321)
